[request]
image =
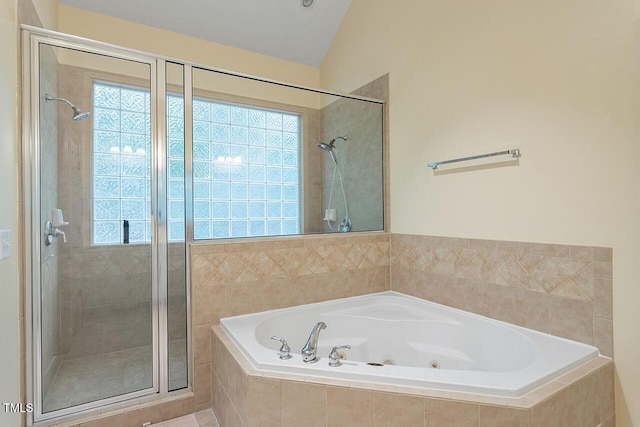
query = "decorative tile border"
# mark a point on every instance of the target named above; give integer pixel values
(246, 276)
(558, 289)
(251, 261)
(568, 271)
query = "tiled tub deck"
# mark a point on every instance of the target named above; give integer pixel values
(245, 397)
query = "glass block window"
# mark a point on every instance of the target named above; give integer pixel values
(246, 170)
(175, 166)
(121, 163)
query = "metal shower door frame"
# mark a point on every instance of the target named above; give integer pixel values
(32, 39)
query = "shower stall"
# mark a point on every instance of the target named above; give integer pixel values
(128, 158)
(109, 295)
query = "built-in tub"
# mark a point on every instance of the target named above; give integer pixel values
(419, 344)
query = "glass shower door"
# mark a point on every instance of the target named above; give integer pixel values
(98, 320)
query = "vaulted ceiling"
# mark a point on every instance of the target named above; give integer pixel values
(280, 28)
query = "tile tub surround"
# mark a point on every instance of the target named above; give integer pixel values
(558, 289)
(245, 276)
(244, 397)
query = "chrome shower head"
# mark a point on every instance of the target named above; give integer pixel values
(77, 113)
(325, 147)
(330, 147)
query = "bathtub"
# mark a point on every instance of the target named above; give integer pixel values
(401, 340)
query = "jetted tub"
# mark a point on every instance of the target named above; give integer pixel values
(402, 340)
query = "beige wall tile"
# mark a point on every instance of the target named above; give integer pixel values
(218, 396)
(114, 421)
(603, 335)
(610, 422)
(569, 407)
(443, 413)
(437, 288)
(208, 304)
(232, 418)
(531, 310)
(603, 270)
(138, 417)
(571, 319)
(378, 279)
(405, 280)
(303, 405)
(349, 407)
(264, 402)
(589, 397)
(177, 408)
(545, 414)
(202, 384)
(603, 298)
(289, 291)
(469, 295)
(496, 416)
(390, 410)
(202, 344)
(497, 302)
(235, 383)
(607, 399)
(582, 252)
(602, 254)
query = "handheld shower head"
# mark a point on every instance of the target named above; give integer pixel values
(345, 225)
(330, 147)
(77, 113)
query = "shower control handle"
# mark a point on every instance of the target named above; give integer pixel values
(285, 350)
(334, 356)
(51, 232)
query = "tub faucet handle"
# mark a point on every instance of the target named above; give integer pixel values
(285, 350)
(334, 356)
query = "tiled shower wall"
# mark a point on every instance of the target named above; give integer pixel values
(360, 158)
(106, 289)
(558, 289)
(244, 277)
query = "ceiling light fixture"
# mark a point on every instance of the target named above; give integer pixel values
(306, 3)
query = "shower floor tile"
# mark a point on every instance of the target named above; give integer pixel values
(206, 418)
(92, 378)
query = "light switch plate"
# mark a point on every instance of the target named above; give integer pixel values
(5, 244)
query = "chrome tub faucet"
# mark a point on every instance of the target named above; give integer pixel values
(311, 347)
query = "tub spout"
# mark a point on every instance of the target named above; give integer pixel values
(311, 347)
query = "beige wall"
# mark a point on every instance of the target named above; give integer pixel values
(9, 312)
(124, 33)
(559, 81)
(47, 11)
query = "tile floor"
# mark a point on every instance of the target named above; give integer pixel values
(206, 418)
(92, 378)
(186, 421)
